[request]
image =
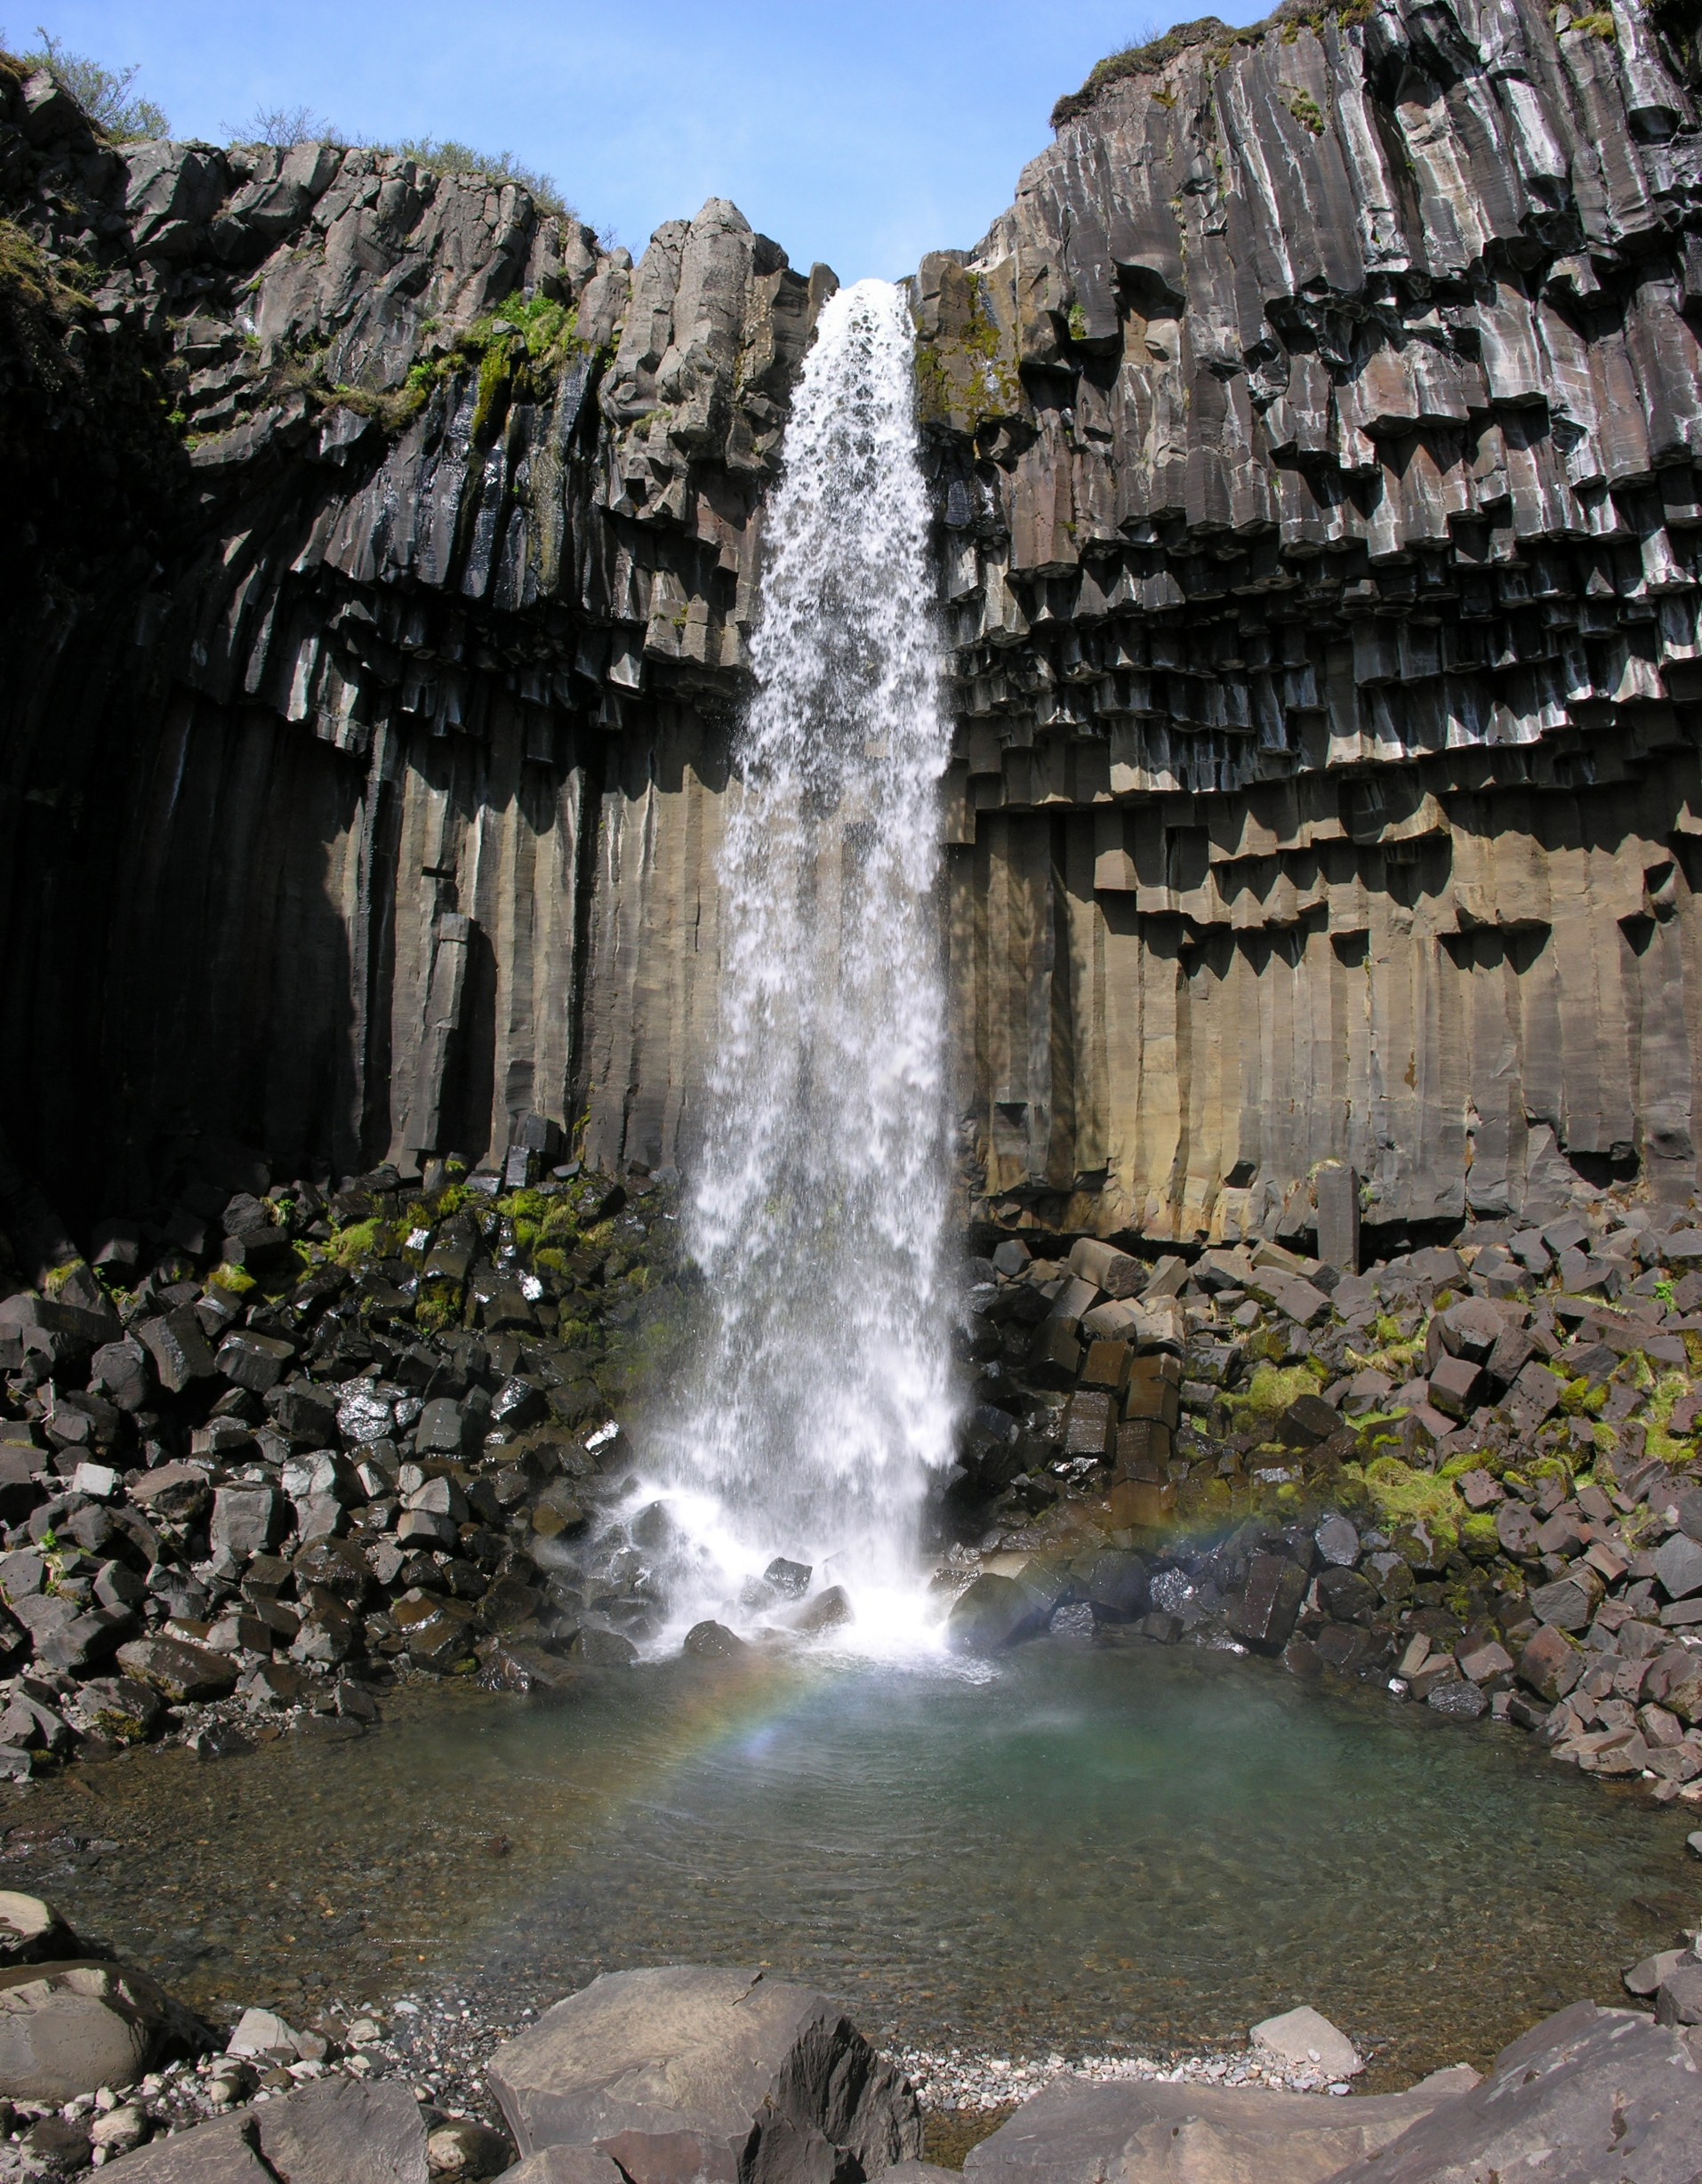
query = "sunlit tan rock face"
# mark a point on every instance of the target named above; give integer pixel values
(1313, 444)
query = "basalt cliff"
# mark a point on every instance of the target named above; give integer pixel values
(1315, 444)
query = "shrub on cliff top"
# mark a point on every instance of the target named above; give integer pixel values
(103, 94)
(446, 155)
(283, 127)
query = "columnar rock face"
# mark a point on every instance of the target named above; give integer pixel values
(1319, 433)
(1315, 443)
(362, 795)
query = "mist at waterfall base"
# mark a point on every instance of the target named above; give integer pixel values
(819, 1408)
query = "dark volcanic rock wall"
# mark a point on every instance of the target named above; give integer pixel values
(361, 800)
(1316, 443)
(1320, 434)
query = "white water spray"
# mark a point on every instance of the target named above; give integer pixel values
(817, 1202)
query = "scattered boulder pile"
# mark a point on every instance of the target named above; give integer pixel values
(650, 2075)
(75, 2025)
(334, 2131)
(106, 2105)
(285, 1441)
(1467, 1472)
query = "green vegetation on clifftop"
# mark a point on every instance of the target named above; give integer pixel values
(1155, 54)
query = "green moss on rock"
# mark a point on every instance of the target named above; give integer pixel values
(1403, 1495)
(970, 378)
(1271, 1390)
(361, 1239)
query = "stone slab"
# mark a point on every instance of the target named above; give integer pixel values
(1139, 2133)
(685, 2070)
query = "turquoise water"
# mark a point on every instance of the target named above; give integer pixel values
(1088, 1850)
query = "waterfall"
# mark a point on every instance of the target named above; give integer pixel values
(816, 1205)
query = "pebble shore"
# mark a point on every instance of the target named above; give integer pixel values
(951, 2079)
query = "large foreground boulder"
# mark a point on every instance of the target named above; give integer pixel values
(71, 2027)
(1586, 2093)
(720, 2077)
(1140, 2132)
(337, 2131)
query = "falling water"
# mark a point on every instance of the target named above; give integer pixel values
(817, 1203)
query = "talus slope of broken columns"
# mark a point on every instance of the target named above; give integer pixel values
(285, 1445)
(1468, 1473)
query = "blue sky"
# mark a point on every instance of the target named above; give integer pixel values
(860, 134)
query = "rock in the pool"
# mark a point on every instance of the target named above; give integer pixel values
(71, 2027)
(31, 1931)
(714, 1642)
(1645, 1978)
(828, 1610)
(1304, 2039)
(685, 2071)
(993, 1611)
